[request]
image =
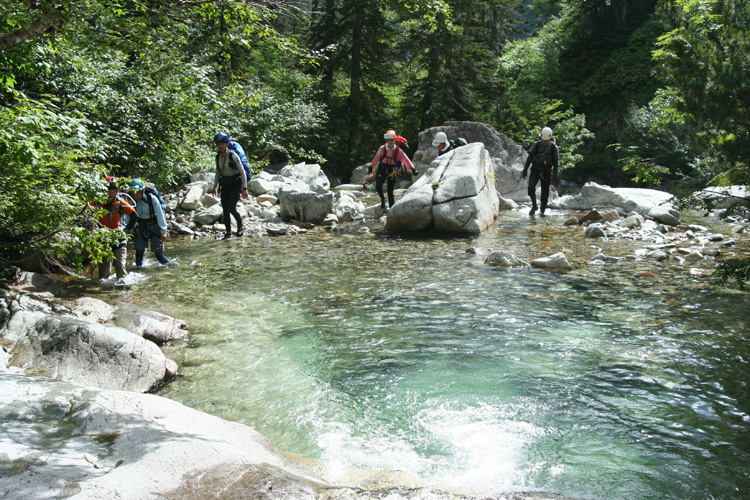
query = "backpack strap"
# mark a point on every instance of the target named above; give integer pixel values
(237, 165)
(150, 200)
(393, 157)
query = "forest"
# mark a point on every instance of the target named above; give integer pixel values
(648, 93)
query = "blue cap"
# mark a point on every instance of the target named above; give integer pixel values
(137, 185)
(221, 137)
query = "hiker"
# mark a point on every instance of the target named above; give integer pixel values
(444, 145)
(152, 222)
(386, 162)
(231, 179)
(116, 208)
(543, 157)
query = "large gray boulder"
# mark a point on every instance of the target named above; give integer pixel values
(62, 440)
(209, 216)
(304, 206)
(456, 196)
(311, 174)
(195, 192)
(152, 325)
(641, 201)
(91, 354)
(48, 341)
(507, 156)
(723, 197)
(266, 183)
(347, 208)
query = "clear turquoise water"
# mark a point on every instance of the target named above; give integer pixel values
(377, 352)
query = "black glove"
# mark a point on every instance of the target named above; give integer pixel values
(523, 174)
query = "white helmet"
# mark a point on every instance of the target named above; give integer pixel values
(440, 138)
(546, 134)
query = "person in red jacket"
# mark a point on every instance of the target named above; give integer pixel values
(386, 163)
(116, 208)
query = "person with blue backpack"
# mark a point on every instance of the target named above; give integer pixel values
(152, 222)
(231, 179)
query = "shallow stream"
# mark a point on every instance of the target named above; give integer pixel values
(366, 351)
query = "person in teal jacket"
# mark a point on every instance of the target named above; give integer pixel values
(152, 223)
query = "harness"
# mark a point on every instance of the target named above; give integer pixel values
(143, 224)
(114, 208)
(391, 169)
(230, 158)
(540, 157)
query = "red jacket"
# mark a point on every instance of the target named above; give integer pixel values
(115, 207)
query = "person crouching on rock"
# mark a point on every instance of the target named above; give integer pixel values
(386, 162)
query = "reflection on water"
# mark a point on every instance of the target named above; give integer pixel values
(385, 352)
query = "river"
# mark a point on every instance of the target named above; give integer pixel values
(361, 350)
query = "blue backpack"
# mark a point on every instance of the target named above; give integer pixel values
(152, 191)
(235, 146)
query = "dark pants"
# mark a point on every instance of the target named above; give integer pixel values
(536, 175)
(231, 189)
(146, 233)
(387, 175)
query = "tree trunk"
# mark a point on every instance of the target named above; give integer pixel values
(31, 30)
(355, 86)
(324, 36)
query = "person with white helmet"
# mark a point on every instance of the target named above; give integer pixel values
(444, 145)
(386, 164)
(543, 158)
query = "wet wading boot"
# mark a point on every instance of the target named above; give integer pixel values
(533, 210)
(241, 231)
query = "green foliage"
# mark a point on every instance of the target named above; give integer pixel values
(530, 65)
(44, 186)
(282, 121)
(653, 146)
(734, 271)
(704, 59)
(594, 58)
(453, 55)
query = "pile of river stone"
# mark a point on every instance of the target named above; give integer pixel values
(295, 200)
